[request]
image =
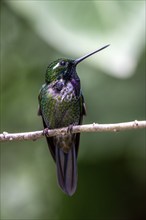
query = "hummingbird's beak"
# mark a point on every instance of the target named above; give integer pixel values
(88, 55)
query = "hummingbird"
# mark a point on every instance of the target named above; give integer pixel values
(61, 104)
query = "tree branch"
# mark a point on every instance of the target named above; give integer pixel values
(76, 129)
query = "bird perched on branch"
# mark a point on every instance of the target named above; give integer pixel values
(61, 104)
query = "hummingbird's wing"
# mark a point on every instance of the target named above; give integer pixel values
(66, 163)
(49, 139)
(83, 112)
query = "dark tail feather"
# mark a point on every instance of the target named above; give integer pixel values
(67, 170)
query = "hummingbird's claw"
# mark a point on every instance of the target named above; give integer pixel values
(45, 132)
(70, 128)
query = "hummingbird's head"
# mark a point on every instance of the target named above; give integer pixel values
(65, 68)
(58, 69)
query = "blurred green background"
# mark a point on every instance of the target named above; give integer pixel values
(111, 166)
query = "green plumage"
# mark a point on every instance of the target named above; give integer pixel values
(60, 112)
(61, 104)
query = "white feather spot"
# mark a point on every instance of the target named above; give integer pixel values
(57, 65)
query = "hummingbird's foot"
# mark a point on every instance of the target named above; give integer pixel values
(45, 132)
(70, 128)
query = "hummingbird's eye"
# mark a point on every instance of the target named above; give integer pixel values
(62, 63)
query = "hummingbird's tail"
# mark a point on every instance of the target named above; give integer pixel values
(67, 170)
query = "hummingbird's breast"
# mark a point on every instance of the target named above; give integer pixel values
(61, 104)
(63, 91)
